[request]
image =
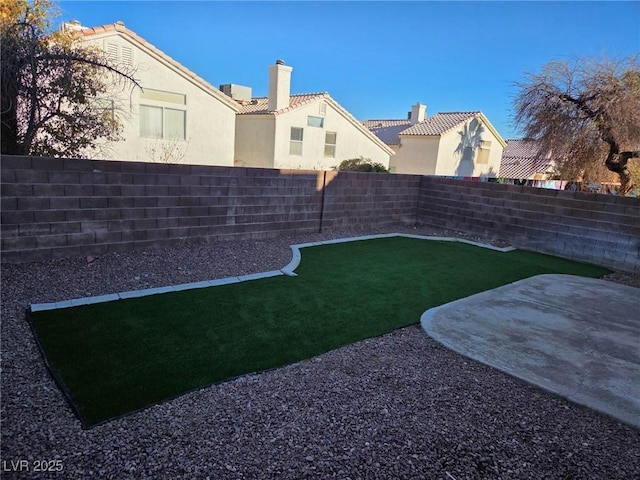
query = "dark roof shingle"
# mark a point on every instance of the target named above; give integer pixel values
(387, 130)
(520, 160)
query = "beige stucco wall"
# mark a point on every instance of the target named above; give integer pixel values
(259, 142)
(416, 155)
(350, 141)
(443, 155)
(450, 157)
(255, 138)
(210, 124)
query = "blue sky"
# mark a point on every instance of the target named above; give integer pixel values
(378, 58)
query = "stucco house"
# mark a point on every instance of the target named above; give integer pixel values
(177, 117)
(520, 160)
(308, 131)
(463, 144)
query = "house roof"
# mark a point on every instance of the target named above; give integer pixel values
(118, 28)
(387, 130)
(390, 130)
(259, 106)
(440, 123)
(520, 159)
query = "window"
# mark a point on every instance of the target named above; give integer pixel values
(295, 145)
(315, 121)
(160, 122)
(150, 121)
(162, 96)
(483, 153)
(174, 121)
(330, 144)
(323, 108)
(161, 118)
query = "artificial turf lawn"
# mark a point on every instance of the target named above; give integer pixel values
(117, 357)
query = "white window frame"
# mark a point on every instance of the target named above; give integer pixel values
(313, 121)
(182, 135)
(330, 148)
(163, 134)
(163, 96)
(295, 144)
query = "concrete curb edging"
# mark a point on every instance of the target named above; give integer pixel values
(287, 270)
(297, 256)
(38, 307)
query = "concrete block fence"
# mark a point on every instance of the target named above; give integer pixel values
(54, 208)
(362, 200)
(594, 228)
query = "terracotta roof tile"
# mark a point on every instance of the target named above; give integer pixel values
(259, 105)
(388, 130)
(440, 123)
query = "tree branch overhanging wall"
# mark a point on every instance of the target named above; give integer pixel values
(585, 114)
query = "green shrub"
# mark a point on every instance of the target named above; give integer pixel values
(361, 164)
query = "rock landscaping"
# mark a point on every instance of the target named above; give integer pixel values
(397, 406)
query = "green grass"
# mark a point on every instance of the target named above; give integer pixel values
(117, 357)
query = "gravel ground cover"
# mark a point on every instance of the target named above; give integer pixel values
(395, 406)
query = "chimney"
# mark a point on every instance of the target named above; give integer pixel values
(279, 85)
(418, 113)
(72, 26)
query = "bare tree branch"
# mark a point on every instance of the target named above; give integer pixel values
(586, 114)
(49, 82)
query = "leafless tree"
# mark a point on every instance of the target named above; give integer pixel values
(586, 114)
(55, 92)
(169, 150)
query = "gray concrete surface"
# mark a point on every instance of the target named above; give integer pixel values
(576, 337)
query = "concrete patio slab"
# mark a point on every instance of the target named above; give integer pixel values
(576, 337)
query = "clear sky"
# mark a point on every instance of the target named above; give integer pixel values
(378, 58)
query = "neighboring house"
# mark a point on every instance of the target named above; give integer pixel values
(463, 144)
(520, 160)
(302, 131)
(177, 117)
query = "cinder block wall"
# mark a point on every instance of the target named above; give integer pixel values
(53, 208)
(353, 199)
(601, 229)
